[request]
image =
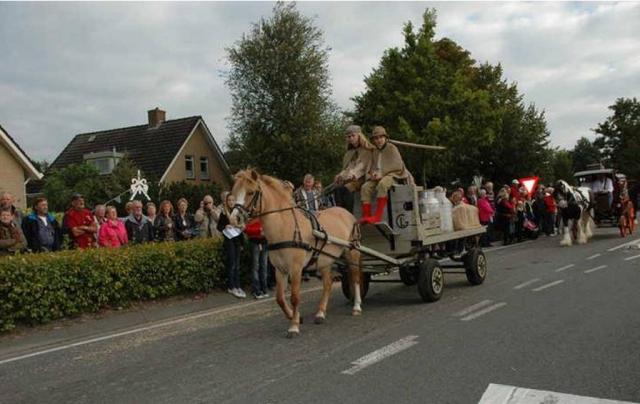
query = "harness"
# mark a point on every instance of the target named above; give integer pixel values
(254, 210)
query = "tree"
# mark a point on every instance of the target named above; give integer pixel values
(585, 152)
(431, 91)
(619, 137)
(282, 119)
(61, 184)
(561, 166)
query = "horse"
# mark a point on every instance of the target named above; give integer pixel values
(574, 206)
(292, 245)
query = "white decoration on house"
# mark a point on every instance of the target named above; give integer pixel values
(139, 186)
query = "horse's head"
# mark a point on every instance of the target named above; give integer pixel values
(562, 193)
(246, 189)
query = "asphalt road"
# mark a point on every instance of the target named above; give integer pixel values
(548, 318)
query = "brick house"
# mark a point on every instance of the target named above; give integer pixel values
(164, 150)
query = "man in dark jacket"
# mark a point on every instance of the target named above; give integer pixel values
(41, 229)
(139, 227)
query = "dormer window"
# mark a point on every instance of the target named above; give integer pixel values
(104, 161)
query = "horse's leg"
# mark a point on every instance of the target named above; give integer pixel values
(294, 324)
(355, 279)
(327, 282)
(588, 228)
(581, 236)
(566, 236)
(281, 286)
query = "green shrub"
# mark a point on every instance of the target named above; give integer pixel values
(42, 287)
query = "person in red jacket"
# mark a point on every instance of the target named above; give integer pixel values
(552, 210)
(258, 245)
(79, 222)
(485, 212)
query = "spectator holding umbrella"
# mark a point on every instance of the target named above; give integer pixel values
(113, 234)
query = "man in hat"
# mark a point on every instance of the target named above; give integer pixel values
(385, 168)
(355, 163)
(80, 224)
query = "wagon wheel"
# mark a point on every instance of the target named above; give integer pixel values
(408, 275)
(475, 264)
(430, 280)
(364, 286)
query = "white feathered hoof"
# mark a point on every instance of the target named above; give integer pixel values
(566, 241)
(356, 312)
(582, 239)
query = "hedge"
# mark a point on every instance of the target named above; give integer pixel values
(38, 288)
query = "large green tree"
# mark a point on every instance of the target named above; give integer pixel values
(283, 121)
(585, 152)
(431, 91)
(619, 137)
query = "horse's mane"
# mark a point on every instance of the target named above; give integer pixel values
(273, 183)
(277, 185)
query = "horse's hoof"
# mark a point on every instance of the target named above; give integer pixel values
(356, 313)
(293, 334)
(319, 320)
(301, 319)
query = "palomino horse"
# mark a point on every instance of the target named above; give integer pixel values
(574, 205)
(292, 245)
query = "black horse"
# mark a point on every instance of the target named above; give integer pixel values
(574, 206)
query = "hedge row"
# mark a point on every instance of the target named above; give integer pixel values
(39, 288)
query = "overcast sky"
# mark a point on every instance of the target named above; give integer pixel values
(72, 68)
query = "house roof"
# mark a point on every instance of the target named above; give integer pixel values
(152, 149)
(19, 154)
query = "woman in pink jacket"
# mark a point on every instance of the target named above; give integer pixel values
(485, 211)
(112, 233)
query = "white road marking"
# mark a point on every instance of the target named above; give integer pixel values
(527, 283)
(502, 394)
(548, 285)
(506, 246)
(564, 268)
(483, 311)
(380, 354)
(474, 307)
(178, 320)
(624, 245)
(632, 258)
(588, 271)
(593, 256)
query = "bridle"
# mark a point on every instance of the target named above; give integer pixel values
(254, 207)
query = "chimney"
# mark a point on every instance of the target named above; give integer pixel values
(156, 117)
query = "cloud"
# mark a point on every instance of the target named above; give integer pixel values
(73, 68)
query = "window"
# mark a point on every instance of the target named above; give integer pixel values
(204, 168)
(104, 161)
(105, 166)
(188, 167)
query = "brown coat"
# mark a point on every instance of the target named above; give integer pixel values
(387, 161)
(11, 239)
(356, 162)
